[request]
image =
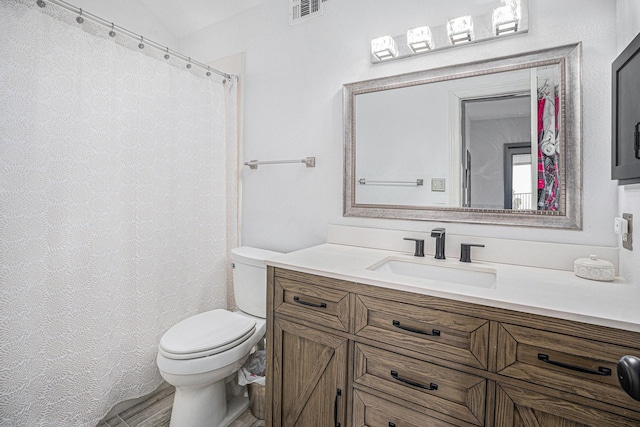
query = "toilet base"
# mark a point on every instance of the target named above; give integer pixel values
(235, 408)
(206, 406)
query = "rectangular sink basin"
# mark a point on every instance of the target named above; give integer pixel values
(448, 271)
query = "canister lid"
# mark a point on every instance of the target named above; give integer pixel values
(594, 269)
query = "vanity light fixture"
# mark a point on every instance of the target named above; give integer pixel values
(506, 18)
(460, 29)
(419, 39)
(384, 47)
(511, 18)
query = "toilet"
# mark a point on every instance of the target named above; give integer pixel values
(199, 354)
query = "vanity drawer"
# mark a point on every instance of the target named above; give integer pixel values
(564, 362)
(421, 383)
(313, 303)
(450, 336)
(373, 411)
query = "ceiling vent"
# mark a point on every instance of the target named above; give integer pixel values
(301, 10)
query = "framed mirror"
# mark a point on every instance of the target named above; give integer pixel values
(490, 142)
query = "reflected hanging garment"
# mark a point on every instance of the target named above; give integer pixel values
(548, 149)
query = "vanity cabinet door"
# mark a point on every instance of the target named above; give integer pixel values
(417, 382)
(311, 302)
(564, 362)
(309, 377)
(449, 336)
(517, 407)
(373, 411)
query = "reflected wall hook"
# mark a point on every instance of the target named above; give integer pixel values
(112, 33)
(80, 19)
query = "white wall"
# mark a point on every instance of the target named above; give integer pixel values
(293, 105)
(629, 195)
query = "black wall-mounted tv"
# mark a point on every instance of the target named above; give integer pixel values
(625, 119)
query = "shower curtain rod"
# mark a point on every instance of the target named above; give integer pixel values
(98, 20)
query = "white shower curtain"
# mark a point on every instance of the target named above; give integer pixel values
(113, 215)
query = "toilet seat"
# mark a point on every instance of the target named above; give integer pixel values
(206, 334)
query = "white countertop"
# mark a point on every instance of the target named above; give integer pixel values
(556, 293)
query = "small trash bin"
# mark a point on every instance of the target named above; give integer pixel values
(252, 375)
(256, 399)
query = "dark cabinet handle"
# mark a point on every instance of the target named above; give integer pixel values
(601, 370)
(335, 408)
(636, 143)
(434, 332)
(431, 386)
(309, 304)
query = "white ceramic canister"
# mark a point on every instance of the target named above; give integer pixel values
(594, 269)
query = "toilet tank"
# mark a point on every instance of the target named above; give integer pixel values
(250, 279)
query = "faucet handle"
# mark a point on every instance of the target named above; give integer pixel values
(419, 246)
(465, 251)
(438, 232)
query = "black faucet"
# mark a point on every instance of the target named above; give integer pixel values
(419, 246)
(439, 234)
(465, 251)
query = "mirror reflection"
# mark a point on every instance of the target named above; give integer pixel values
(474, 142)
(462, 143)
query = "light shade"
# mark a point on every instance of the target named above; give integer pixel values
(460, 29)
(384, 47)
(419, 39)
(506, 18)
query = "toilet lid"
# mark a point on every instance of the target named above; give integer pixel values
(206, 333)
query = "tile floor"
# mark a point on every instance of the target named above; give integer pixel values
(156, 412)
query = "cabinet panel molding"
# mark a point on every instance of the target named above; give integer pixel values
(309, 370)
(451, 336)
(517, 407)
(372, 411)
(557, 361)
(421, 383)
(317, 304)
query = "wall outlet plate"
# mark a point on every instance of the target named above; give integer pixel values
(438, 184)
(627, 240)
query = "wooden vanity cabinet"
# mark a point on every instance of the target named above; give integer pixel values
(349, 354)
